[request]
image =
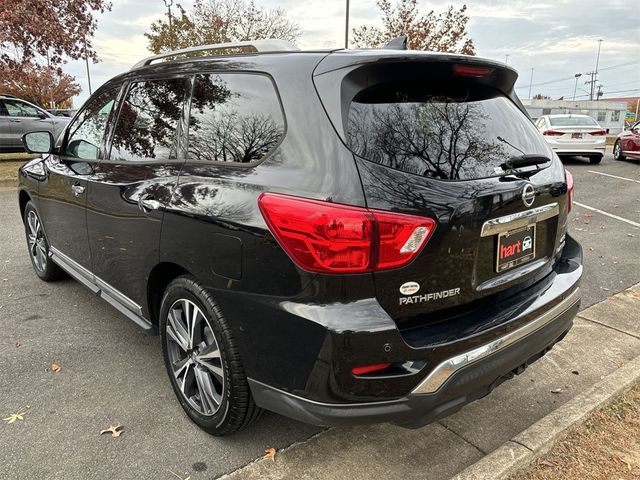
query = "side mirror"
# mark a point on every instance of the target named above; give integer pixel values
(38, 142)
(42, 115)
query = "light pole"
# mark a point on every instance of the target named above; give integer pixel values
(575, 87)
(346, 27)
(506, 58)
(86, 59)
(168, 4)
(530, 83)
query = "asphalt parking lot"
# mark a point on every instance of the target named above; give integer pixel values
(112, 373)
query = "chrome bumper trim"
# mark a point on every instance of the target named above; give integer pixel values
(446, 369)
(520, 219)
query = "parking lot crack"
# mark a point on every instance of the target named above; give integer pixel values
(521, 444)
(609, 326)
(463, 439)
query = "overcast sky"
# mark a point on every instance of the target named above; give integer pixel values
(557, 39)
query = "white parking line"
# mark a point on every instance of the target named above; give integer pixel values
(635, 224)
(614, 176)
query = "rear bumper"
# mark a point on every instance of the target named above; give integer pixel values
(465, 370)
(456, 382)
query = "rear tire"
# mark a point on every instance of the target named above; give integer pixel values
(39, 246)
(617, 151)
(202, 360)
(595, 159)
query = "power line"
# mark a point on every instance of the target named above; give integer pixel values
(548, 82)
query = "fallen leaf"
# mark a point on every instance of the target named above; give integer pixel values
(556, 390)
(636, 295)
(115, 431)
(270, 453)
(55, 368)
(575, 372)
(18, 344)
(547, 463)
(14, 416)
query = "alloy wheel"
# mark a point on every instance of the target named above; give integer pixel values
(194, 356)
(616, 150)
(36, 241)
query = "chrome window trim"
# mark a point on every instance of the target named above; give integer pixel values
(447, 368)
(520, 219)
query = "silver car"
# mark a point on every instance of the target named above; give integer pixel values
(570, 134)
(18, 117)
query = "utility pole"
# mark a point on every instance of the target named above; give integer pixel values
(168, 4)
(346, 27)
(530, 83)
(86, 59)
(591, 83)
(575, 87)
(600, 92)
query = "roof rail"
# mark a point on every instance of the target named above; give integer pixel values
(266, 45)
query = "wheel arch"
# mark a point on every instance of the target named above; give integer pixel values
(159, 278)
(23, 199)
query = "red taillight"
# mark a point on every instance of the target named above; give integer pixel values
(332, 238)
(471, 71)
(569, 179)
(369, 368)
(598, 133)
(552, 133)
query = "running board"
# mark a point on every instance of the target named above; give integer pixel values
(116, 299)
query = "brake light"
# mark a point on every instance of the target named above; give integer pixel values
(552, 133)
(569, 179)
(471, 71)
(369, 368)
(332, 238)
(598, 132)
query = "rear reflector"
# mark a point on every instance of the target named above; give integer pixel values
(598, 133)
(369, 368)
(569, 179)
(332, 238)
(471, 71)
(552, 133)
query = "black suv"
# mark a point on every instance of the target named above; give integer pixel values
(340, 237)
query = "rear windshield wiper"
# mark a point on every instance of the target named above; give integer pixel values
(526, 160)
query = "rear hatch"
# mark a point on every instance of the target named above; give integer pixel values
(434, 135)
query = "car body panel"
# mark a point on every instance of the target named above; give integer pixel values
(630, 141)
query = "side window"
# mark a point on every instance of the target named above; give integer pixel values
(87, 130)
(148, 121)
(3, 110)
(234, 118)
(20, 109)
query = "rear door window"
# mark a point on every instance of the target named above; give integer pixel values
(452, 130)
(148, 121)
(235, 118)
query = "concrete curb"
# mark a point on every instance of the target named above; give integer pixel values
(538, 439)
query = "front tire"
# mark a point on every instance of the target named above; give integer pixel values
(202, 360)
(39, 246)
(595, 159)
(617, 151)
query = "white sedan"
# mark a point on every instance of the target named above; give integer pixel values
(571, 134)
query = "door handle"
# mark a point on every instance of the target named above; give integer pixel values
(15, 120)
(147, 203)
(77, 189)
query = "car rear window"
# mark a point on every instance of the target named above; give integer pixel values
(572, 122)
(450, 130)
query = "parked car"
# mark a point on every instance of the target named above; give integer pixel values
(570, 135)
(63, 112)
(340, 237)
(18, 117)
(627, 144)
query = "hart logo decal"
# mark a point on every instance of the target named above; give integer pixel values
(409, 288)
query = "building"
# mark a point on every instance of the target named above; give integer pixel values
(609, 114)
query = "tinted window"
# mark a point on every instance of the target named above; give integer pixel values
(572, 121)
(87, 130)
(234, 118)
(147, 127)
(450, 132)
(16, 108)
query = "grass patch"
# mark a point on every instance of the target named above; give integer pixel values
(9, 171)
(17, 156)
(606, 446)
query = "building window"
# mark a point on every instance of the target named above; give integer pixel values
(602, 115)
(615, 116)
(546, 111)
